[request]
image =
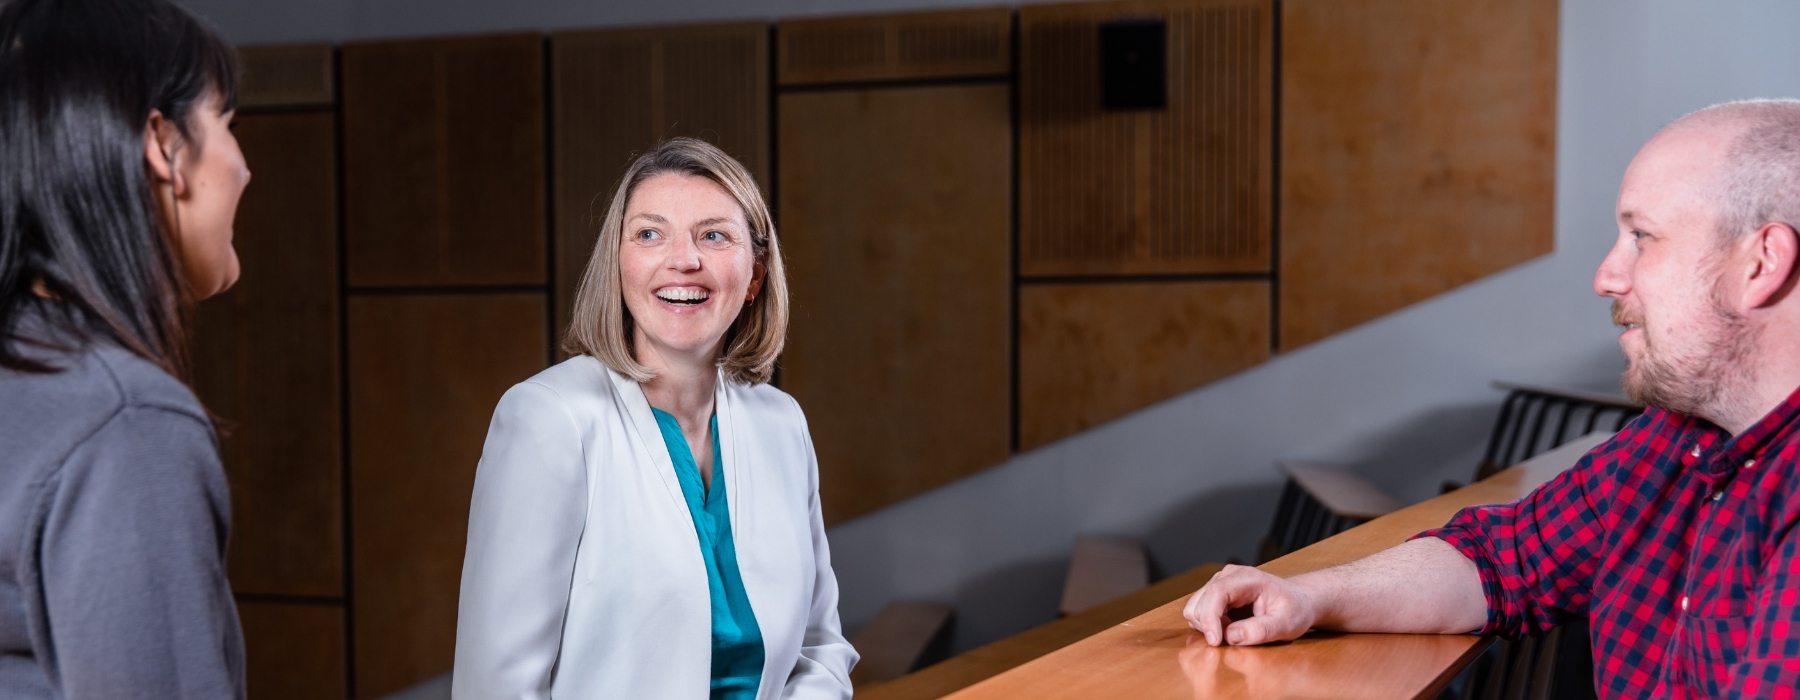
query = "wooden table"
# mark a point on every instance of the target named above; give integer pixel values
(1155, 655)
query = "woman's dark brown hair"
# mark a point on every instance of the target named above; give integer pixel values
(78, 220)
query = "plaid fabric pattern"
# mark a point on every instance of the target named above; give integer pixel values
(1676, 541)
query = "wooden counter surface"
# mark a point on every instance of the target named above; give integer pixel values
(1155, 655)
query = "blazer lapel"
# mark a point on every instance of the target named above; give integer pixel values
(637, 412)
(734, 471)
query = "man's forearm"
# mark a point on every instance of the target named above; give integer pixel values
(1422, 586)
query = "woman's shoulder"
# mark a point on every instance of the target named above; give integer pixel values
(767, 404)
(93, 383)
(765, 398)
(104, 402)
(579, 384)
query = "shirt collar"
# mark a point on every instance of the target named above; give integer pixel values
(1715, 453)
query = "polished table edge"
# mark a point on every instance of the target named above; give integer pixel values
(994, 658)
(1352, 544)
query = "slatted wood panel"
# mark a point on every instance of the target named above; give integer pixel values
(425, 374)
(1418, 143)
(293, 651)
(266, 360)
(1089, 353)
(618, 92)
(1181, 189)
(287, 76)
(894, 208)
(941, 44)
(444, 161)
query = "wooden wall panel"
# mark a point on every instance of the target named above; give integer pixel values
(425, 374)
(287, 76)
(913, 45)
(618, 92)
(1177, 190)
(1418, 152)
(293, 651)
(1089, 353)
(266, 360)
(444, 161)
(895, 210)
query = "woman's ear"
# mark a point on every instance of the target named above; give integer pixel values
(162, 145)
(757, 271)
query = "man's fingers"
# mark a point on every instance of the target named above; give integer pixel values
(1245, 632)
(1205, 611)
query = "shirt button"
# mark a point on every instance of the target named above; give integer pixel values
(1696, 451)
(1684, 603)
(1749, 463)
(1718, 495)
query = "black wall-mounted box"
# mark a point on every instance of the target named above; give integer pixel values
(1134, 63)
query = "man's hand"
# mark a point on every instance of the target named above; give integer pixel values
(1280, 609)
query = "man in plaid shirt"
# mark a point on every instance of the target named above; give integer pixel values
(1676, 539)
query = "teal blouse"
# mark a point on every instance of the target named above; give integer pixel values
(737, 648)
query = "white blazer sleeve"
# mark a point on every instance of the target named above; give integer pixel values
(823, 669)
(525, 521)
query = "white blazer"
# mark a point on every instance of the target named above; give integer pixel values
(583, 576)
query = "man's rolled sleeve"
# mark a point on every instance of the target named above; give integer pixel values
(1536, 556)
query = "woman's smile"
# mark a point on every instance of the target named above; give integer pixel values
(683, 297)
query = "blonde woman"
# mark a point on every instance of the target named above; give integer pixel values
(645, 521)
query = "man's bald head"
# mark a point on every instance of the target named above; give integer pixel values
(1757, 179)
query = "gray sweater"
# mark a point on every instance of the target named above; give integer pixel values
(113, 519)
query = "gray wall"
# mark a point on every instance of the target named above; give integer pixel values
(1404, 400)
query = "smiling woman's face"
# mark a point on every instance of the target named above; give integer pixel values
(686, 266)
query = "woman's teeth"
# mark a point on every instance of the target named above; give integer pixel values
(682, 295)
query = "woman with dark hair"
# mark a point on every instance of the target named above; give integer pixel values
(119, 178)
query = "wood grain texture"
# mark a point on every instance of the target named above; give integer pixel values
(894, 207)
(444, 161)
(911, 45)
(1089, 353)
(976, 665)
(1154, 655)
(293, 651)
(425, 374)
(287, 75)
(618, 92)
(266, 361)
(1180, 189)
(1418, 152)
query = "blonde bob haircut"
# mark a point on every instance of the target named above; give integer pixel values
(600, 324)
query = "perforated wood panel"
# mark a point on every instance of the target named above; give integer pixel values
(1418, 145)
(619, 92)
(425, 374)
(899, 46)
(1089, 353)
(266, 360)
(444, 161)
(287, 75)
(293, 651)
(1181, 189)
(895, 210)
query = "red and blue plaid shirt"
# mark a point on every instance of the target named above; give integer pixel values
(1675, 540)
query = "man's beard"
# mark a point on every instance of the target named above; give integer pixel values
(1692, 384)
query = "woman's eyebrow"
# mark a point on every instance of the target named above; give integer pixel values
(714, 220)
(657, 218)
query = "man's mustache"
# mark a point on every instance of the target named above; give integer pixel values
(1622, 317)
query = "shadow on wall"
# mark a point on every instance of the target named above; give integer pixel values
(1412, 458)
(989, 607)
(1216, 526)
